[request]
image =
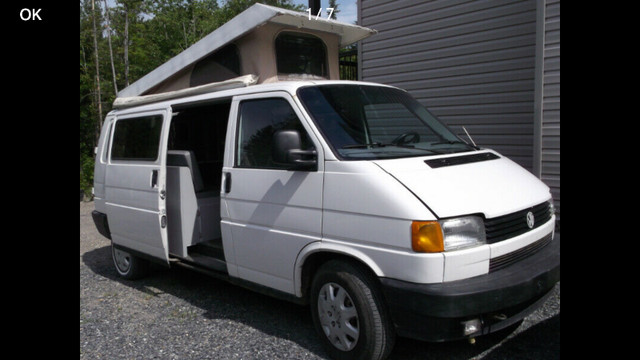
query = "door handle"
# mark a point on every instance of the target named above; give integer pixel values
(154, 178)
(227, 182)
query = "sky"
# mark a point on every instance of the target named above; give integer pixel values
(348, 9)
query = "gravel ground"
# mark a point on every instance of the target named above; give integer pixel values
(181, 314)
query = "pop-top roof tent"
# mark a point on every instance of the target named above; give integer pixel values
(260, 45)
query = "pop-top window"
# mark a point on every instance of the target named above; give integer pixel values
(222, 65)
(298, 53)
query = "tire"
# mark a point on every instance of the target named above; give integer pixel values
(349, 313)
(128, 266)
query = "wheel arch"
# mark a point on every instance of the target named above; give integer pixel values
(315, 254)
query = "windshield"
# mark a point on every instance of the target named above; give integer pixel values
(374, 122)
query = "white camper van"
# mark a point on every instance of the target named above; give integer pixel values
(347, 196)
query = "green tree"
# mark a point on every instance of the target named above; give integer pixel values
(232, 8)
(334, 5)
(89, 88)
(132, 39)
(174, 26)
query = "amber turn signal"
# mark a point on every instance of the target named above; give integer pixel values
(426, 236)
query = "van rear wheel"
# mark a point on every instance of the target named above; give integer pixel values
(128, 266)
(349, 314)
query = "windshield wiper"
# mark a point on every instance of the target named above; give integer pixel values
(362, 146)
(455, 142)
(379, 145)
(375, 145)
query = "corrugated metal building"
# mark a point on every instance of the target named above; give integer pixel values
(492, 66)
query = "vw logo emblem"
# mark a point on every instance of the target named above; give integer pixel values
(530, 220)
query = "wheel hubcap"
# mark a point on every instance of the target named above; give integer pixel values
(338, 316)
(122, 260)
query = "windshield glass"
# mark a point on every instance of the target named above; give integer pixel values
(374, 122)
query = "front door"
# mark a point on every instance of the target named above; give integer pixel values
(135, 190)
(269, 213)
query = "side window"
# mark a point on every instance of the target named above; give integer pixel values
(258, 121)
(137, 138)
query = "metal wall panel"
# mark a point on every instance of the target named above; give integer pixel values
(472, 63)
(550, 158)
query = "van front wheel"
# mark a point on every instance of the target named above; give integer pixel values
(128, 266)
(349, 314)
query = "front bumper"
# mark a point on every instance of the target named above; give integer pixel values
(436, 312)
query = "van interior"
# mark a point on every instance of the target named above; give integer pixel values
(194, 172)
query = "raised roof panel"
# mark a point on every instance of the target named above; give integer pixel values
(177, 73)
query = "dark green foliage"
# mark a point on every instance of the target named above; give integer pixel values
(157, 31)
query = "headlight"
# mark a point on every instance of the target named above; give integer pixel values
(463, 232)
(446, 235)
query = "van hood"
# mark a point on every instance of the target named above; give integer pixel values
(460, 184)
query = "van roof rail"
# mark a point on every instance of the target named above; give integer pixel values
(130, 101)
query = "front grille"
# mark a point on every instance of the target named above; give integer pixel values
(514, 224)
(503, 261)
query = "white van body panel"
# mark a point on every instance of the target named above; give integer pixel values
(133, 213)
(270, 214)
(133, 206)
(100, 167)
(397, 264)
(368, 214)
(271, 220)
(493, 187)
(363, 189)
(466, 263)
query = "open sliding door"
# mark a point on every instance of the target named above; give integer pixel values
(135, 190)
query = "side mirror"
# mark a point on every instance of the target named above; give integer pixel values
(286, 150)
